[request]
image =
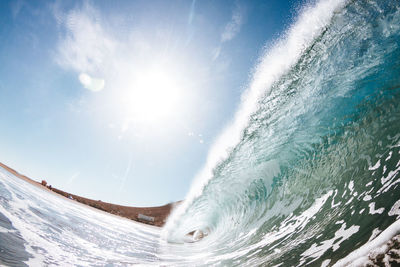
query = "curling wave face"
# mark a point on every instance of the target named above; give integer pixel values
(314, 172)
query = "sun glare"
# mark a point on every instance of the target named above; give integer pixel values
(153, 95)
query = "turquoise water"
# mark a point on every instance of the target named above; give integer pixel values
(307, 173)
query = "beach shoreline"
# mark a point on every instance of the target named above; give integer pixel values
(154, 216)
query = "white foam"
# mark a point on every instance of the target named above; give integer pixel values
(376, 166)
(333, 204)
(389, 156)
(360, 255)
(59, 247)
(325, 263)
(395, 210)
(388, 182)
(367, 198)
(5, 230)
(285, 229)
(296, 223)
(351, 185)
(316, 251)
(372, 209)
(374, 234)
(349, 201)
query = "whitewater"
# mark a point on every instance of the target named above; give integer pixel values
(307, 173)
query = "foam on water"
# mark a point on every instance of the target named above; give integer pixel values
(59, 231)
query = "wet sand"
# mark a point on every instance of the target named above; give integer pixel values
(156, 216)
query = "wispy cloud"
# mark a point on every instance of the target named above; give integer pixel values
(232, 28)
(191, 13)
(72, 178)
(234, 25)
(16, 7)
(190, 29)
(85, 46)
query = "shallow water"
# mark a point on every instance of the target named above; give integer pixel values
(307, 173)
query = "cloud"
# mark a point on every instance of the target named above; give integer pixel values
(216, 52)
(234, 25)
(190, 28)
(84, 46)
(16, 7)
(191, 13)
(231, 29)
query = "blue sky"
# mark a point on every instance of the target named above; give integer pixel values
(121, 100)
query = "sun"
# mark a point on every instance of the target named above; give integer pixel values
(153, 95)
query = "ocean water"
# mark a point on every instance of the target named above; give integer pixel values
(306, 174)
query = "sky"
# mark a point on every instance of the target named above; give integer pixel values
(121, 100)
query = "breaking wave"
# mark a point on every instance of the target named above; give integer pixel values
(309, 169)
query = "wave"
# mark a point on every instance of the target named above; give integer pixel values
(309, 169)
